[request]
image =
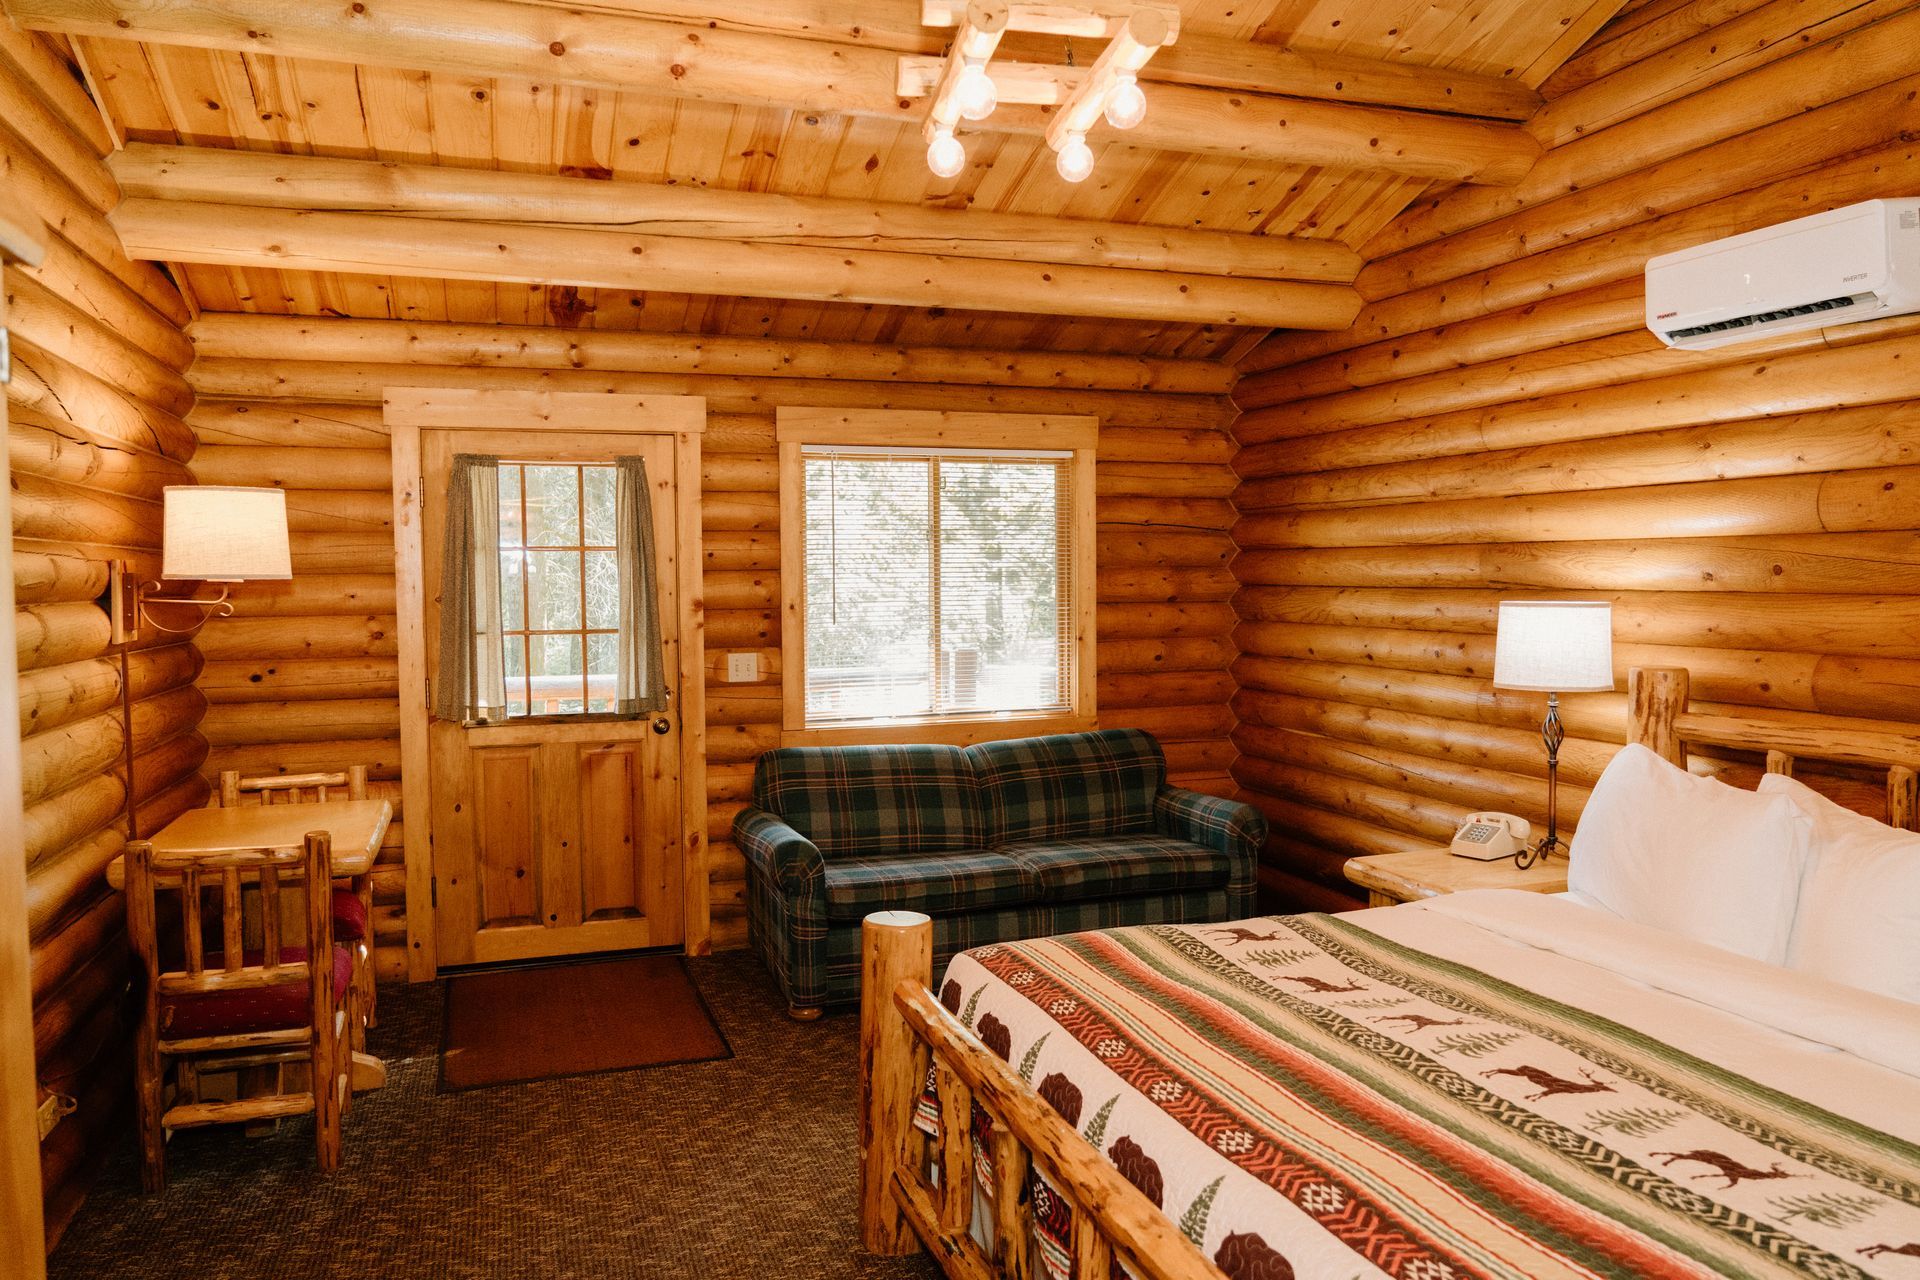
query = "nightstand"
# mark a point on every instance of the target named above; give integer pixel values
(1389, 878)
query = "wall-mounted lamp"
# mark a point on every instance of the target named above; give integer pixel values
(210, 533)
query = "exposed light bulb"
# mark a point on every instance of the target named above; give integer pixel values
(1126, 104)
(973, 92)
(945, 156)
(1075, 160)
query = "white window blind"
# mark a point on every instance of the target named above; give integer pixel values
(938, 583)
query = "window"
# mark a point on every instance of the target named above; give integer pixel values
(559, 588)
(547, 591)
(938, 570)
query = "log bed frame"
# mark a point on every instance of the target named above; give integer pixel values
(905, 1031)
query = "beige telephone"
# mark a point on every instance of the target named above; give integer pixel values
(1486, 837)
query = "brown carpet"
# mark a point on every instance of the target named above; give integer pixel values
(737, 1169)
(543, 1022)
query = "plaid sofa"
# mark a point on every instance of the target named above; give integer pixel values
(1004, 840)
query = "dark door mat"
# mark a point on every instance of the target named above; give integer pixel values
(508, 1026)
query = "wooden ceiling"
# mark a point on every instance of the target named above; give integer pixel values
(174, 93)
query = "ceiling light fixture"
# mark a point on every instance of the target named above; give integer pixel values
(945, 156)
(1126, 104)
(1075, 159)
(974, 93)
(962, 86)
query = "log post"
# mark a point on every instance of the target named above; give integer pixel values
(894, 946)
(1656, 696)
(22, 240)
(1902, 811)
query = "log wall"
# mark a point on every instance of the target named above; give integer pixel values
(304, 674)
(1498, 423)
(95, 411)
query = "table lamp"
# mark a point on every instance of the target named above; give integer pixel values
(1555, 647)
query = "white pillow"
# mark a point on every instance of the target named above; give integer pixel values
(1859, 915)
(1691, 855)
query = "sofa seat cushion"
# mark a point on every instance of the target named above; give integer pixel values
(1067, 785)
(1119, 866)
(191, 1015)
(937, 884)
(882, 801)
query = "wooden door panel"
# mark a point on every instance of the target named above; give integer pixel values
(506, 834)
(610, 850)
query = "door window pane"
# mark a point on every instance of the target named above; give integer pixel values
(560, 588)
(553, 506)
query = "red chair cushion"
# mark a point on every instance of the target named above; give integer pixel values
(349, 916)
(226, 1013)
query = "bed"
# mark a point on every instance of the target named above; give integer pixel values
(1494, 1084)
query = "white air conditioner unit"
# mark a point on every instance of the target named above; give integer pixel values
(1857, 263)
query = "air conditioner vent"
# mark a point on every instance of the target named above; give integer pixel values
(1743, 322)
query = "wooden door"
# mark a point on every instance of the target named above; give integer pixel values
(559, 830)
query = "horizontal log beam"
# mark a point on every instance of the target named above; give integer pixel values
(1877, 688)
(374, 243)
(1863, 626)
(230, 336)
(1863, 563)
(1804, 382)
(640, 55)
(1866, 501)
(1879, 435)
(270, 180)
(306, 380)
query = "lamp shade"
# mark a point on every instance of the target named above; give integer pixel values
(1558, 646)
(224, 533)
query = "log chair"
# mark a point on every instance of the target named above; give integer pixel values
(189, 998)
(357, 931)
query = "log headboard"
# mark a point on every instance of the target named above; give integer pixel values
(1659, 716)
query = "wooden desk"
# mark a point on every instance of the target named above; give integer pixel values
(357, 827)
(1390, 878)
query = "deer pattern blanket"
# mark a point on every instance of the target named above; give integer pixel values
(1306, 1098)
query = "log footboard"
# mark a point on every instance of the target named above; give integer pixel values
(904, 1032)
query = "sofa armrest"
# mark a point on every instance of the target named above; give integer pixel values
(1235, 829)
(787, 858)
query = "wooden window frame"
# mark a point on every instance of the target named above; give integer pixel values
(797, 427)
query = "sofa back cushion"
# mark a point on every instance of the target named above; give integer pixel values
(887, 800)
(1069, 784)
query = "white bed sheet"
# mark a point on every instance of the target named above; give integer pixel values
(1849, 1051)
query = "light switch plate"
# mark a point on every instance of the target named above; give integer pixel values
(743, 667)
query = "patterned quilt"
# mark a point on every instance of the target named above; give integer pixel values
(1305, 1097)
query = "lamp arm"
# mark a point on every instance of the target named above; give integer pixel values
(218, 607)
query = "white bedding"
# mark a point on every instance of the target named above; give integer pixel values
(1849, 1050)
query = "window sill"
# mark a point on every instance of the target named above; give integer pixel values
(952, 732)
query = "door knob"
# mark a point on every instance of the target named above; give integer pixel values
(663, 725)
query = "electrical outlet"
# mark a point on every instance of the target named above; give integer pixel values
(743, 667)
